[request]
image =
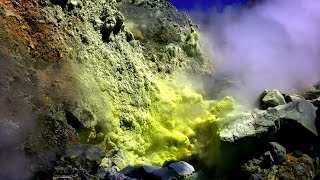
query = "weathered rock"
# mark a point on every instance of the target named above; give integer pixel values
(181, 168)
(87, 156)
(70, 172)
(95, 153)
(112, 174)
(268, 160)
(255, 169)
(300, 112)
(272, 98)
(129, 171)
(257, 124)
(293, 97)
(297, 168)
(164, 173)
(278, 152)
(156, 172)
(148, 169)
(312, 94)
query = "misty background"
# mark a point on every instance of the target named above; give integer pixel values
(16, 117)
(257, 45)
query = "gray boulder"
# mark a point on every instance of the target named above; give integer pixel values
(256, 124)
(182, 168)
(264, 123)
(272, 98)
(300, 112)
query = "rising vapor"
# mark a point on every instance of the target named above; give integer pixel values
(273, 44)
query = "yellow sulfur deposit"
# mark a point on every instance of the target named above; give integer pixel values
(169, 132)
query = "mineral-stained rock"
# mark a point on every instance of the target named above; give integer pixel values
(255, 169)
(88, 156)
(272, 98)
(258, 124)
(297, 168)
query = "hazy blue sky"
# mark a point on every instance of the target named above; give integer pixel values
(204, 4)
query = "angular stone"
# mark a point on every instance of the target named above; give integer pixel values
(300, 111)
(272, 98)
(257, 124)
(182, 168)
(278, 152)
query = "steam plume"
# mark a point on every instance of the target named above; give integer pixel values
(16, 119)
(273, 44)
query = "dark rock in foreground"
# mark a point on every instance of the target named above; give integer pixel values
(181, 168)
(278, 152)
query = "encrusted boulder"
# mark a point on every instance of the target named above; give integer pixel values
(271, 99)
(297, 168)
(244, 125)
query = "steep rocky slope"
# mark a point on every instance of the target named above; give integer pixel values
(101, 72)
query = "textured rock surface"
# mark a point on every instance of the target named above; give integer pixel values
(257, 124)
(301, 112)
(103, 72)
(181, 168)
(272, 98)
(278, 152)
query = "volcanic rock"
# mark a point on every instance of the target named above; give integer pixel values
(278, 152)
(297, 168)
(300, 112)
(111, 174)
(182, 168)
(293, 97)
(271, 99)
(155, 172)
(258, 124)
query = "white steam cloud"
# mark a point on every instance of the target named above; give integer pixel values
(273, 44)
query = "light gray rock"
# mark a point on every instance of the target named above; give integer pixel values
(273, 98)
(182, 168)
(299, 111)
(257, 124)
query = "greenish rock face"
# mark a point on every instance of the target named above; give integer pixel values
(272, 98)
